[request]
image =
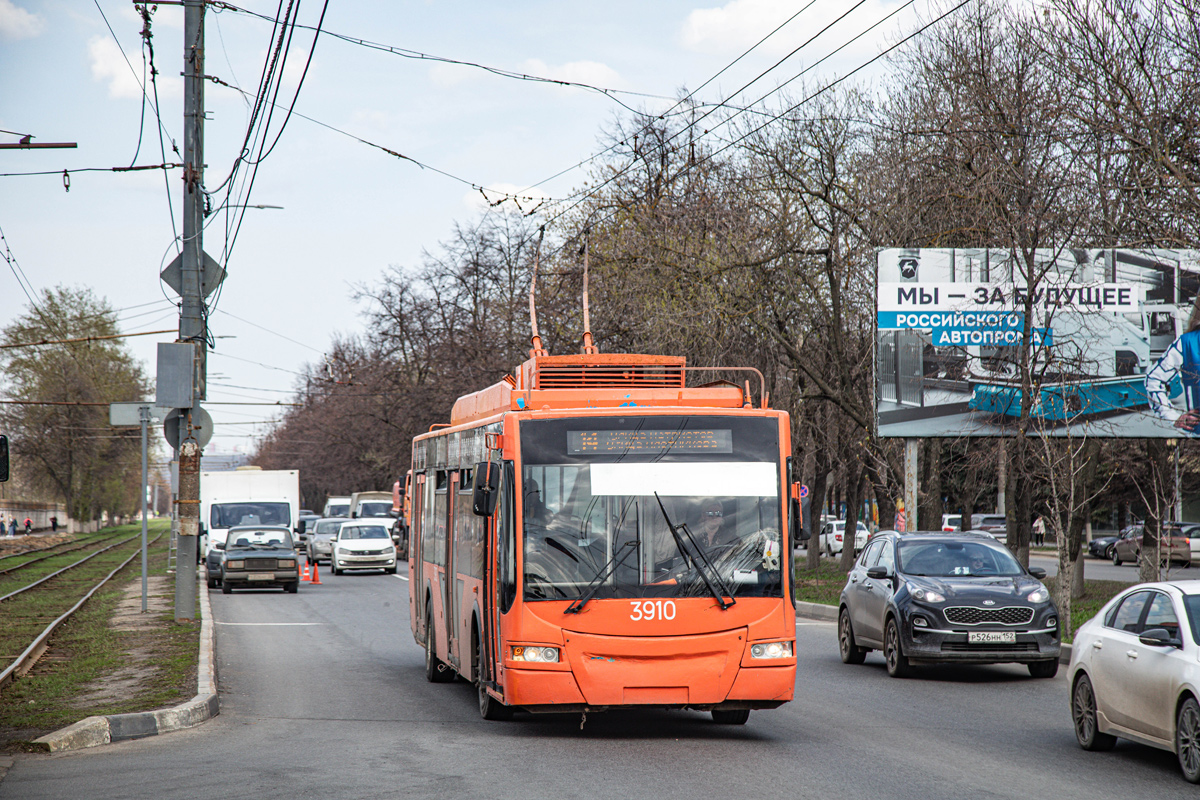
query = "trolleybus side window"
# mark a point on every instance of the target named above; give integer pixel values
(440, 518)
(469, 531)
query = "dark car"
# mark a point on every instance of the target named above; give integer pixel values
(1102, 547)
(933, 597)
(304, 526)
(257, 556)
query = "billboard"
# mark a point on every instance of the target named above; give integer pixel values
(1100, 336)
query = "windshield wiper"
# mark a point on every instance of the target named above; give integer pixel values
(602, 576)
(702, 564)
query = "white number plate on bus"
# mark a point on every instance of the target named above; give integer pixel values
(992, 637)
(261, 576)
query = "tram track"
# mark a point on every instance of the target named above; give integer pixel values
(34, 612)
(34, 551)
(56, 573)
(78, 545)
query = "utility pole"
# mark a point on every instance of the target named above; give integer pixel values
(192, 325)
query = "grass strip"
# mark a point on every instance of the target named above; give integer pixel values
(92, 668)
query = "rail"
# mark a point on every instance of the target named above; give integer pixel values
(40, 581)
(79, 546)
(20, 553)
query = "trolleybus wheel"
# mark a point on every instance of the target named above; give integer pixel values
(734, 717)
(489, 707)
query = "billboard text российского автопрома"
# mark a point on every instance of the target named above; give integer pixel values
(1107, 349)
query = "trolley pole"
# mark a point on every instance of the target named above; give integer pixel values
(191, 316)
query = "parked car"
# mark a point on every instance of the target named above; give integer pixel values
(832, 533)
(258, 556)
(996, 536)
(1102, 547)
(1133, 672)
(364, 544)
(1175, 545)
(990, 523)
(951, 522)
(320, 540)
(935, 597)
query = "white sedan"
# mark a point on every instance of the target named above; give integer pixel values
(1135, 672)
(834, 530)
(363, 544)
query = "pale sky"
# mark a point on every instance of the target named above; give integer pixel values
(349, 210)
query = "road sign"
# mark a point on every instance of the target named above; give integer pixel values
(803, 492)
(202, 425)
(214, 273)
(129, 414)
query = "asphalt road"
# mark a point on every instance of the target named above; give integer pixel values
(1100, 570)
(323, 696)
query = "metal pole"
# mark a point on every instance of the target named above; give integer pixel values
(910, 483)
(191, 316)
(144, 413)
(1178, 495)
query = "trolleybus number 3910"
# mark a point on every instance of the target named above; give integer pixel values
(652, 609)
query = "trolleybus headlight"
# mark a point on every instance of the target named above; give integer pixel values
(234, 564)
(771, 650)
(548, 655)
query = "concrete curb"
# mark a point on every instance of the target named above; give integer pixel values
(94, 731)
(820, 611)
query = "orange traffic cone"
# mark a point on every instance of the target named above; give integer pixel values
(304, 576)
(316, 578)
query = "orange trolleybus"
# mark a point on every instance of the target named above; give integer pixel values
(593, 533)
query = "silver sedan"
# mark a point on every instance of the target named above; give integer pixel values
(320, 538)
(1135, 672)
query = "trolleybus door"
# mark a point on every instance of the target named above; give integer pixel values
(416, 594)
(450, 569)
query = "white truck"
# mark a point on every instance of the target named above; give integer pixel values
(370, 504)
(243, 496)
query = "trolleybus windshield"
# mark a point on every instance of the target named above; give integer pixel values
(593, 521)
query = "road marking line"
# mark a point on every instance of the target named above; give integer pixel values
(270, 623)
(816, 622)
(401, 577)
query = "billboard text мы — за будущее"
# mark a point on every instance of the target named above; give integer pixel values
(1109, 343)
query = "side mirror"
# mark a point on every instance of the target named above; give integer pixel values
(1037, 572)
(485, 488)
(878, 573)
(796, 515)
(1159, 637)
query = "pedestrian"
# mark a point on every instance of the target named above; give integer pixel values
(54, 524)
(12, 526)
(28, 525)
(4, 527)
(1039, 531)
(1179, 369)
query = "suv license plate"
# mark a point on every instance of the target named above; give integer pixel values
(261, 576)
(991, 637)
